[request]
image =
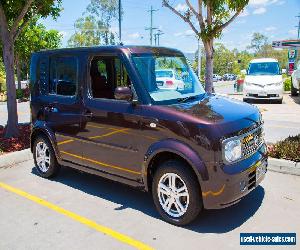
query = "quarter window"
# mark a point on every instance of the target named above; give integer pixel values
(63, 76)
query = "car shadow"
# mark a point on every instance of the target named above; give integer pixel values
(210, 221)
(296, 99)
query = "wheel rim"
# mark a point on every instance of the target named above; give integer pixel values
(173, 195)
(42, 156)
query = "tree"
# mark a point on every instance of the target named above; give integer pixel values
(257, 42)
(34, 37)
(207, 27)
(94, 27)
(14, 16)
(88, 34)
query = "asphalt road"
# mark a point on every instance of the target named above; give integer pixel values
(27, 224)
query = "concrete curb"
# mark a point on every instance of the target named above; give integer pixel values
(13, 158)
(284, 166)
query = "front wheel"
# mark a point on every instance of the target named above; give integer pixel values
(44, 157)
(176, 193)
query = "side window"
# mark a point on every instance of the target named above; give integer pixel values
(106, 74)
(43, 75)
(122, 76)
(63, 76)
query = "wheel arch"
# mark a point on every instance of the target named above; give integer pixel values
(172, 149)
(41, 129)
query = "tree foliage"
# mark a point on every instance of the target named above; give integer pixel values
(94, 27)
(14, 16)
(34, 37)
(258, 42)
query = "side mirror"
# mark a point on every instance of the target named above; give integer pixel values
(123, 93)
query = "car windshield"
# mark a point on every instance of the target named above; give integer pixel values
(152, 67)
(264, 68)
(164, 73)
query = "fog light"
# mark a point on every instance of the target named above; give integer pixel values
(243, 186)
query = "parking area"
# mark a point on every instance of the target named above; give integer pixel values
(77, 210)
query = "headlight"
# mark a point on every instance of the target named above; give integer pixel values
(232, 150)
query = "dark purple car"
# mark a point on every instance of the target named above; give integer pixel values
(100, 110)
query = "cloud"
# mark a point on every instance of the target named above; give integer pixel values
(181, 7)
(262, 2)
(135, 35)
(293, 32)
(259, 11)
(270, 28)
(188, 32)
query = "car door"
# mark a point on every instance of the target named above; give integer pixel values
(110, 141)
(63, 106)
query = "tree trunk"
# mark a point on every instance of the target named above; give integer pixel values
(8, 58)
(18, 71)
(209, 66)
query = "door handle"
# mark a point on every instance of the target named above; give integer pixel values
(88, 114)
(51, 109)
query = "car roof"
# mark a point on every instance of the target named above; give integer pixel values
(120, 48)
(258, 60)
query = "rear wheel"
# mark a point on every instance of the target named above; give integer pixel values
(176, 193)
(44, 158)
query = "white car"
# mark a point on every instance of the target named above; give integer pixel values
(168, 79)
(216, 78)
(263, 80)
(296, 80)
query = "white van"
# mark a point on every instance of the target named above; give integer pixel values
(263, 80)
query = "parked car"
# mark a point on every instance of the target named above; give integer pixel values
(295, 80)
(190, 149)
(168, 79)
(229, 77)
(216, 78)
(263, 80)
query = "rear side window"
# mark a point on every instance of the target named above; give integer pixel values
(63, 76)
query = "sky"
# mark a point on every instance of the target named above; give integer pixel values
(274, 18)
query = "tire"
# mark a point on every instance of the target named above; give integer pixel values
(45, 168)
(191, 205)
(293, 91)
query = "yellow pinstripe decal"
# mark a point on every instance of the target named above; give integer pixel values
(108, 134)
(204, 194)
(101, 163)
(85, 221)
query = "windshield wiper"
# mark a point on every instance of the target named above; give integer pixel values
(180, 100)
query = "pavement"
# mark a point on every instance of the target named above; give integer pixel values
(80, 211)
(23, 112)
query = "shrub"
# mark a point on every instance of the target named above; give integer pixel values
(288, 149)
(287, 84)
(19, 94)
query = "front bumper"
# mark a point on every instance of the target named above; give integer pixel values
(228, 185)
(263, 92)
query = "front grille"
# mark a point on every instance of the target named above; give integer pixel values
(251, 180)
(251, 142)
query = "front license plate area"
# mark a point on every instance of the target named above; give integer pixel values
(262, 93)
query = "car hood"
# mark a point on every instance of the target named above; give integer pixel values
(263, 79)
(221, 115)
